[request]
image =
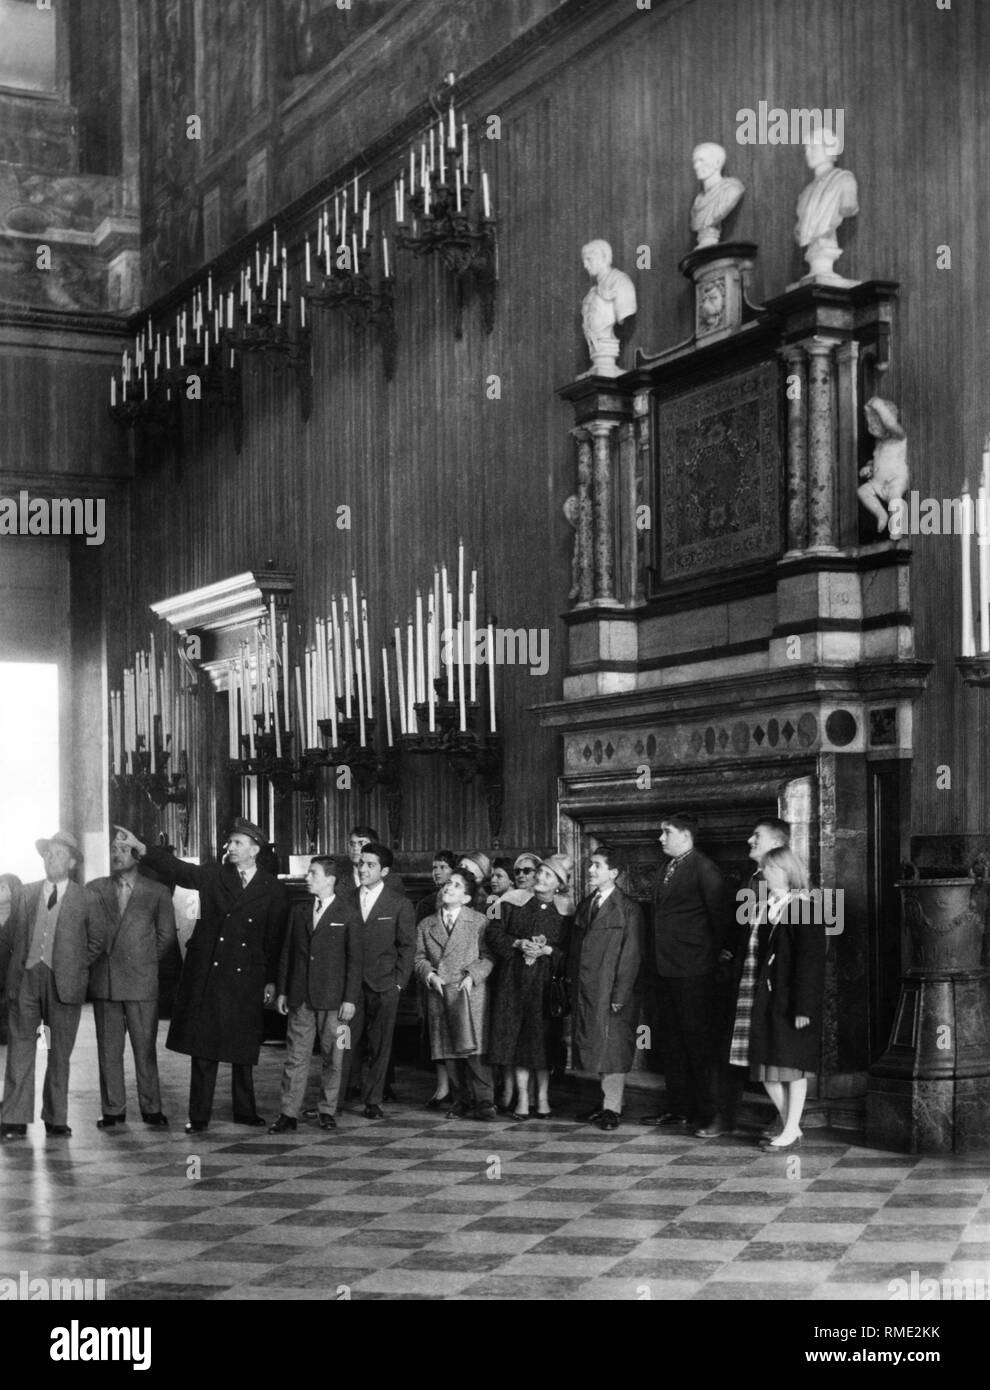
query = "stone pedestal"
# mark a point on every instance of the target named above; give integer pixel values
(721, 276)
(930, 1091)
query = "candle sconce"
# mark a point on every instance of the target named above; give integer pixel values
(351, 291)
(156, 414)
(442, 227)
(367, 768)
(268, 336)
(220, 384)
(975, 670)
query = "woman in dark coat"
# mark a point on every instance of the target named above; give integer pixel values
(785, 1028)
(530, 944)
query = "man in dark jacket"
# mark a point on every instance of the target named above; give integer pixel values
(319, 980)
(230, 968)
(603, 971)
(138, 922)
(691, 919)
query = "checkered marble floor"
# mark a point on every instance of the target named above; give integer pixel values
(418, 1206)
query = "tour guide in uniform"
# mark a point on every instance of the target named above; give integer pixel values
(230, 967)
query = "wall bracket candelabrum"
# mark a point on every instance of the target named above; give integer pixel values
(267, 336)
(351, 292)
(156, 414)
(163, 788)
(468, 252)
(975, 670)
(470, 752)
(219, 382)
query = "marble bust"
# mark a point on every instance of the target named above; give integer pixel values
(718, 196)
(609, 303)
(828, 199)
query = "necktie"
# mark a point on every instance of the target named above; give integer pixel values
(123, 893)
(596, 905)
(448, 922)
(364, 902)
(243, 878)
(318, 910)
(52, 899)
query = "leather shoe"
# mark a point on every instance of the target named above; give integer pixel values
(590, 1117)
(608, 1120)
(664, 1119)
(438, 1102)
(373, 1112)
(155, 1118)
(459, 1110)
(196, 1127)
(310, 1114)
(283, 1125)
(108, 1121)
(715, 1130)
(327, 1122)
(484, 1112)
(57, 1131)
(257, 1120)
(13, 1131)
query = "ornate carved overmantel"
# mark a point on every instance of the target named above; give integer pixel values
(733, 646)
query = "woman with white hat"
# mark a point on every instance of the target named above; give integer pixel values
(530, 943)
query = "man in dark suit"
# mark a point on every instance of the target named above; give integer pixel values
(389, 940)
(138, 925)
(319, 980)
(730, 1081)
(50, 940)
(230, 968)
(691, 918)
(603, 972)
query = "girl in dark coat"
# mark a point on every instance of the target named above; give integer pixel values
(530, 944)
(790, 984)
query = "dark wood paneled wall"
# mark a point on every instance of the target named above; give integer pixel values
(599, 145)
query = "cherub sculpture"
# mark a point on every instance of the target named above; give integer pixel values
(887, 473)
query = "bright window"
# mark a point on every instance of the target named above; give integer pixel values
(27, 46)
(29, 802)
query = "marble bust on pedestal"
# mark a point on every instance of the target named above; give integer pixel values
(609, 304)
(718, 196)
(829, 199)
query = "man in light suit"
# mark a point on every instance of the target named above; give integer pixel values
(389, 940)
(139, 927)
(51, 939)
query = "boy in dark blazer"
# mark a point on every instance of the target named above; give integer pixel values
(138, 923)
(389, 938)
(319, 980)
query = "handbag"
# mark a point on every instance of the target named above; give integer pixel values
(457, 1007)
(558, 997)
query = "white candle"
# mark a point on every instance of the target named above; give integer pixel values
(431, 657)
(420, 664)
(432, 156)
(388, 699)
(484, 195)
(366, 648)
(336, 641)
(358, 663)
(458, 181)
(285, 675)
(308, 273)
(332, 695)
(983, 558)
(348, 657)
(400, 683)
(113, 391)
(472, 629)
(300, 717)
(452, 138)
(302, 313)
(448, 623)
(464, 150)
(491, 675)
(966, 518)
(412, 171)
(410, 680)
(310, 740)
(366, 227)
(385, 253)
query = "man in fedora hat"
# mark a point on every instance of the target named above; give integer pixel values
(50, 941)
(230, 968)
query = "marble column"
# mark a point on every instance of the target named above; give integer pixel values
(583, 540)
(821, 445)
(797, 450)
(603, 513)
(849, 420)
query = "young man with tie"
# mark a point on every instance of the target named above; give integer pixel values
(139, 928)
(389, 937)
(46, 949)
(230, 968)
(319, 978)
(603, 973)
